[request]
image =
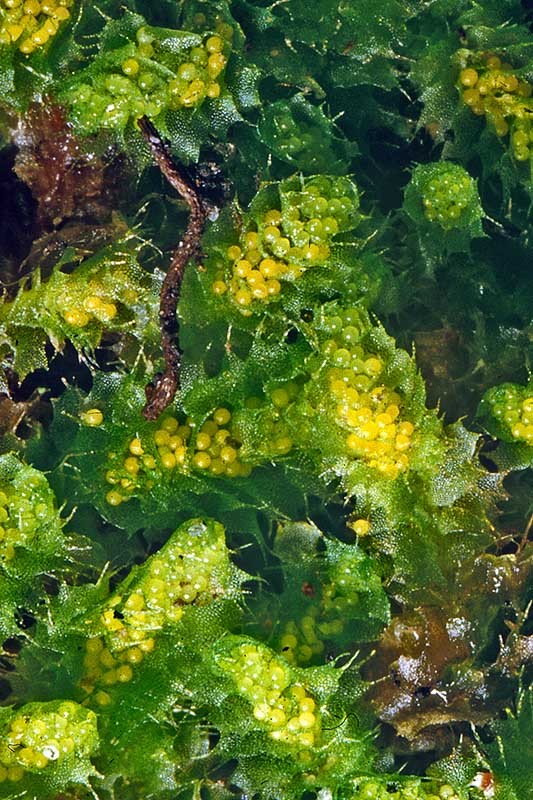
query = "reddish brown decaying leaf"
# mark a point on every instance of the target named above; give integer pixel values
(66, 180)
(408, 667)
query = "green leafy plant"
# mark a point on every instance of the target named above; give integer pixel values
(304, 571)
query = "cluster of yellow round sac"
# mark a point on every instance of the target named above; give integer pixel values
(23, 512)
(182, 573)
(93, 304)
(372, 789)
(30, 24)
(101, 292)
(278, 439)
(142, 86)
(175, 446)
(281, 706)
(303, 639)
(264, 258)
(512, 406)
(278, 246)
(215, 448)
(374, 432)
(261, 263)
(368, 411)
(42, 736)
(490, 87)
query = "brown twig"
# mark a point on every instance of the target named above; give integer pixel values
(160, 395)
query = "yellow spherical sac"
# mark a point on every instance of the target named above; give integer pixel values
(279, 703)
(494, 91)
(192, 569)
(47, 739)
(369, 413)
(278, 246)
(93, 417)
(31, 24)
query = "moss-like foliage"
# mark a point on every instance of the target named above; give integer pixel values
(309, 577)
(146, 70)
(107, 291)
(46, 747)
(332, 594)
(32, 542)
(442, 201)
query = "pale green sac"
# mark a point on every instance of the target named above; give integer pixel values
(53, 741)
(192, 569)
(146, 80)
(280, 704)
(507, 411)
(444, 196)
(29, 521)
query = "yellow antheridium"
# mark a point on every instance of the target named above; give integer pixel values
(93, 417)
(281, 705)
(361, 527)
(512, 406)
(369, 413)
(175, 447)
(42, 736)
(188, 570)
(30, 24)
(490, 87)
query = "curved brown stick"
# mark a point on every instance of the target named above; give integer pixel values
(161, 395)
